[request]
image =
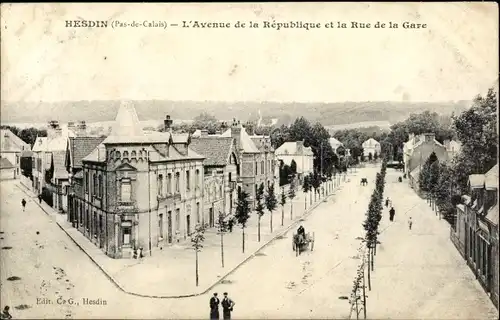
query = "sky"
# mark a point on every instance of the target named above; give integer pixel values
(454, 58)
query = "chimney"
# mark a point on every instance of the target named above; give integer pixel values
(167, 124)
(204, 133)
(7, 141)
(81, 128)
(53, 129)
(236, 133)
(223, 126)
(429, 137)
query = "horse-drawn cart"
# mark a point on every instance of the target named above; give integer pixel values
(300, 242)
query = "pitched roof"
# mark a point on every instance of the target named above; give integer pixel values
(245, 142)
(40, 144)
(491, 178)
(263, 143)
(59, 168)
(5, 164)
(293, 148)
(492, 214)
(10, 142)
(370, 142)
(476, 180)
(80, 147)
(215, 149)
(334, 142)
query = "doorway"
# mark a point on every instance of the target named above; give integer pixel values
(211, 217)
(188, 224)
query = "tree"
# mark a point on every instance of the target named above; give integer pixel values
(476, 129)
(259, 209)
(271, 203)
(206, 121)
(197, 239)
(291, 196)
(375, 156)
(316, 183)
(242, 213)
(223, 227)
(306, 187)
(282, 203)
(424, 175)
(293, 167)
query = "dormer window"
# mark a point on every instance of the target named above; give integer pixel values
(125, 155)
(134, 155)
(126, 190)
(118, 155)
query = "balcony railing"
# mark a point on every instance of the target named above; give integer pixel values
(171, 197)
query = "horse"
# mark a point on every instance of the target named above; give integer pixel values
(364, 181)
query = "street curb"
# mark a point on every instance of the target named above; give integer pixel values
(307, 213)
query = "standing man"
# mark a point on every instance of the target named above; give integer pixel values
(410, 222)
(387, 202)
(392, 212)
(214, 307)
(227, 306)
(23, 203)
(40, 198)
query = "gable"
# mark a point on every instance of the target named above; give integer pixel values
(125, 167)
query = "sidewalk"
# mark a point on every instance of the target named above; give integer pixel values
(170, 273)
(418, 273)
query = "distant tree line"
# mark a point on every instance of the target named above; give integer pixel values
(28, 135)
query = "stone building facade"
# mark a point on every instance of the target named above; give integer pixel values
(221, 171)
(138, 190)
(257, 163)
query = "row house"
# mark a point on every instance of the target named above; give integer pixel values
(221, 171)
(12, 148)
(258, 164)
(296, 151)
(48, 157)
(138, 190)
(416, 152)
(476, 231)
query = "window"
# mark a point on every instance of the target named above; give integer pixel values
(169, 183)
(230, 178)
(17, 159)
(262, 167)
(160, 185)
(127, 231)
(177, 186)
(133, 155)
(198, 218)
(177, 219)
(125, 155)
(87, 220)
(188, 184)
(256, 168)
(94, 224)
(101, 191)
(197, 177)
(80, 215)
(94, 185)
(220, 191)
(86, 182)
(126, 190)
(160, 225)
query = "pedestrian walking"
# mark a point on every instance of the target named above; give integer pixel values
(214, 307)
(392, 213)
(5, 313)
(227, 306)
(410, 222)
(39, 198)
(23, 203)
(387, 202)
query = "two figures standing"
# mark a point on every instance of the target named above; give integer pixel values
(227, 306)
